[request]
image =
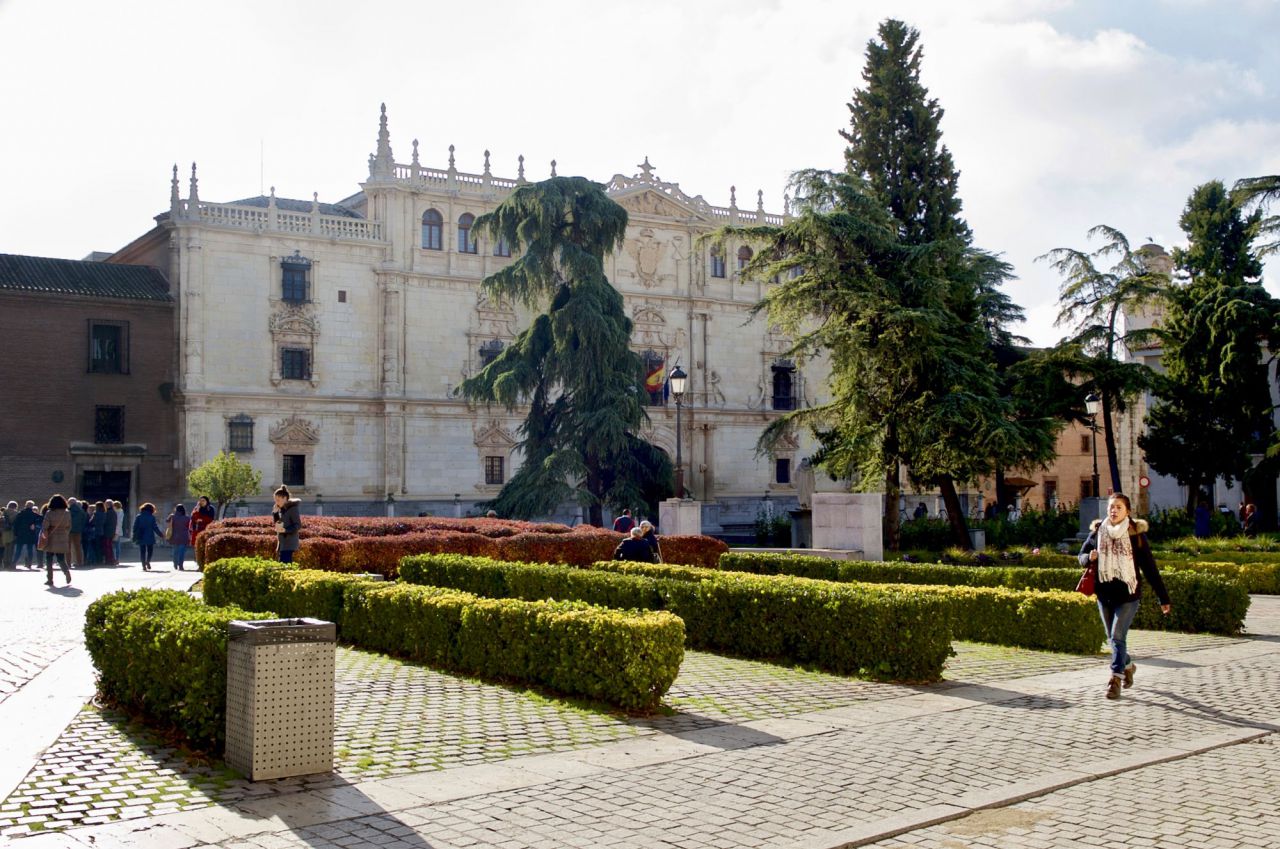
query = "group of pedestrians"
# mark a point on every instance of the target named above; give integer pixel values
(72, 533)
(641, 541)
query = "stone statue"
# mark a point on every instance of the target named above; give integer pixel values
(804, 484)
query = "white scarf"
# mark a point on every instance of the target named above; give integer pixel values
(1115, 555)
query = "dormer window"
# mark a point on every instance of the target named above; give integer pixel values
(294, 284)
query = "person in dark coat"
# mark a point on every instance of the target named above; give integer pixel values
(624, 523)
(179, 524)
(26, 529)
(634, 548)
(1118, 548)
(145, 532)
(1251, 520)
(1202, 518)
(78, 516)
(108, 524)
(92, 548)
(202, 517)
(650, 535)
(287, 518)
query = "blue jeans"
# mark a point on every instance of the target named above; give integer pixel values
(17, 552)
(1116, 622)
(179, 556)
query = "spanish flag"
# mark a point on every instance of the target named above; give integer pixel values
(656, 377)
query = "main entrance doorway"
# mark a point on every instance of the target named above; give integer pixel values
(99, 486)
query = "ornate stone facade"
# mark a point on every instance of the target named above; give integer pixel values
(343, 331)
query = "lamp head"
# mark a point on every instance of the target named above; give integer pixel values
(1092, 403)
(678, 380)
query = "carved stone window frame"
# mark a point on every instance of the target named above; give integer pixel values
(494, 440)
(296, 329)
(294, 435)
(785, 448)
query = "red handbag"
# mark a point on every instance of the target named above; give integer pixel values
(1088, 579)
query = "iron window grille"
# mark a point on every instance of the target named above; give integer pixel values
(108, 347)
(295, 364)
(494, 471)
(108, 425)
(294, 470)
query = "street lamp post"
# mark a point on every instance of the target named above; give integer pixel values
(1091, 403)
(678, 380)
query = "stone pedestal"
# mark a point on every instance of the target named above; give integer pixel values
(851, 521)
(679, 517)
(801, 528)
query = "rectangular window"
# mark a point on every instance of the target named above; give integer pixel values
(240, 435)
(1050, 493)
(295, 364)
(717, 264)
(501, 248)
(1085, 445)
(1086, 488)
(108, 347)
(782, 471)
(293, 284)
(494, 471)
(108, 425)
(294, 472)
(342, 296)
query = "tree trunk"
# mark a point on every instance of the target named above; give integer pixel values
(1259, 485)
(1110, 435)
(955, 513)
(1193, 495)
(595, 486)
(1002, 494)
(892, 489)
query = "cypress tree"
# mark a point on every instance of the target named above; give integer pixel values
(573, 366)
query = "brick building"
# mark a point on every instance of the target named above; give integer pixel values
(88, 351)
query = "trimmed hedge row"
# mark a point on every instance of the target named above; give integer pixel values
(887, 632)
(1259, 576)
(625, 658)
(163, 654)
(1202, 602)
(1012, 615)
(350, 544)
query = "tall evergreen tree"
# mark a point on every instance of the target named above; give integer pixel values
(573, 366)
(1093, 301)
(1215, 409)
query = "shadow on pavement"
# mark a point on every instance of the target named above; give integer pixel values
(1199, 710)
(997, 696)
(68, 591)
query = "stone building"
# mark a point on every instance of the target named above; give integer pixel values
(323, 342)
(88, 382)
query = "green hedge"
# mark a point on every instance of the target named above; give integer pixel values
(1202, 602)
(163, 654)
(1257, 576)
(895, 633)
(624, 658)
(985, 611)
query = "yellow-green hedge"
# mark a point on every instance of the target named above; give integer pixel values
(896, 633)
(625, 658)
(1203, 601)
(163, 654)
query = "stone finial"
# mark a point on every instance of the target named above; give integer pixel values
(175, 199)
(383, 163)
(646, 170)
(520, 174)
(733, 197)
(193, 195)
(486, 162)
(315, 202)
(271, 201)
(553, 168)
(451, 160)
(760, 200)
(415, 151)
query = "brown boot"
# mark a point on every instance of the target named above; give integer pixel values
(1113, 687)
(1128, 675)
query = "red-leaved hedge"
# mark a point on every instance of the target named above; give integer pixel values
(360, 544)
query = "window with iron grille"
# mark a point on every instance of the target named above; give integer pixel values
(108, 425)
(494, 470)
(294, 271)
(108, 347)
(295, 364)
(240, 435)
(489, 351)
(784, 379)
(294, 472)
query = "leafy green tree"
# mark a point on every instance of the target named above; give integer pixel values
(573, 366)
(224, 479)
(1093, 301)
(1215, 407)
(1258, 193)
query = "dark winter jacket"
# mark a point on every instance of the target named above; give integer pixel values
(288, 521)
(146, 529)
(636, 549)
(181, 525)
(26, 526)
(1114, 593)
(108, 523)
(78, 515)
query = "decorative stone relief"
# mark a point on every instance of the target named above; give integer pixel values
(292, 326)
(294, 431)
(647, 251)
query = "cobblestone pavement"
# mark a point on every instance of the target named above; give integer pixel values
(396, 718)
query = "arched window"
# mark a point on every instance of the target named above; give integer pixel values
(784, 383)
(744, 257)
(466, 244)
(432, 230)
(717, 262)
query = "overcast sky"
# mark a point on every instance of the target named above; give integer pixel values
(1060, 115)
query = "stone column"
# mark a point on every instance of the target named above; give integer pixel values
(849, 521)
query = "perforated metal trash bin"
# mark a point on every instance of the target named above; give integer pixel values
(280, 697)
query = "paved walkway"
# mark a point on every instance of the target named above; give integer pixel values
(1017, 749)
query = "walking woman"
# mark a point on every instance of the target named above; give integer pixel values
(1118, 548)
(179, 535)
(287, 518)
(55, 538)
(145, 531)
